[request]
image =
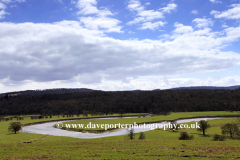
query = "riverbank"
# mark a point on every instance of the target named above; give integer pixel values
(48, 129)
(138, 121)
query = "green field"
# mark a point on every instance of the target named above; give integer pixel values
(159, 144)
(139, 120)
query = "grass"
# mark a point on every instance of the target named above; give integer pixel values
(138, 120)
(159, 144)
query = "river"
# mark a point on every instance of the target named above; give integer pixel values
(48, 129)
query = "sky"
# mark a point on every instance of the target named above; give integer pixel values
(116, 45)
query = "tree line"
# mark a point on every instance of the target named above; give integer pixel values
(104, 102)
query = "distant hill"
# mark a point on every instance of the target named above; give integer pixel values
(82, 101)
(208, 87)
(47, 91)
(75, 90)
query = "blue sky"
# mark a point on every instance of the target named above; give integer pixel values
(118, 45)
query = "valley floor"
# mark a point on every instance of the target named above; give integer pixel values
(159, 144)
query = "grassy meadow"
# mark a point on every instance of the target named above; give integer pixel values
(151, 119)
(159, 144)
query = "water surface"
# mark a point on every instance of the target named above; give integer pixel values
(48, 129)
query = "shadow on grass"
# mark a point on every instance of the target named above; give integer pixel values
(176, 131)
(12, 133)
(201, 135)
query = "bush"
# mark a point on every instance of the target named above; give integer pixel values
(185, 136)
(218, 137)
(40, 117)
(142, 135)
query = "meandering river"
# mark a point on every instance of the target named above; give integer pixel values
(48, 129)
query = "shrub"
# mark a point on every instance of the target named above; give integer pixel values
(142, 135)
(218, 137)
(41, 117)
(185, 136)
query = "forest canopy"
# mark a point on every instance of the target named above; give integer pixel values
(126, 101)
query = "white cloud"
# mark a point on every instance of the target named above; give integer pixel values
(143, 83)
(131, 32)
(148, 3)
(170, 7)
(13, 1)
(73, 2)
(215, 1)
(135, 5)
(98, 23)
(152, 26)
(180, 28)
(233, 34)
(60, 1)
(225, 26)
(194, 12)
(143, 16)
(2, 6)
(68, 53)
(233, 13)
(6, 1)
(78, 54)
(97, 19)
(203, 22)
(2, 14)
(88, 7)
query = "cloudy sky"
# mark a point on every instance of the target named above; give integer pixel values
(118, 44)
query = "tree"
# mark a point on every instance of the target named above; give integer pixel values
(85, 113)
(203, 126)
(231, 129)
(131, 134)
(121, 112)
(175, 126)
(14, 127)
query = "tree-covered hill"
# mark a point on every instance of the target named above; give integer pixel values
(124, 101)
